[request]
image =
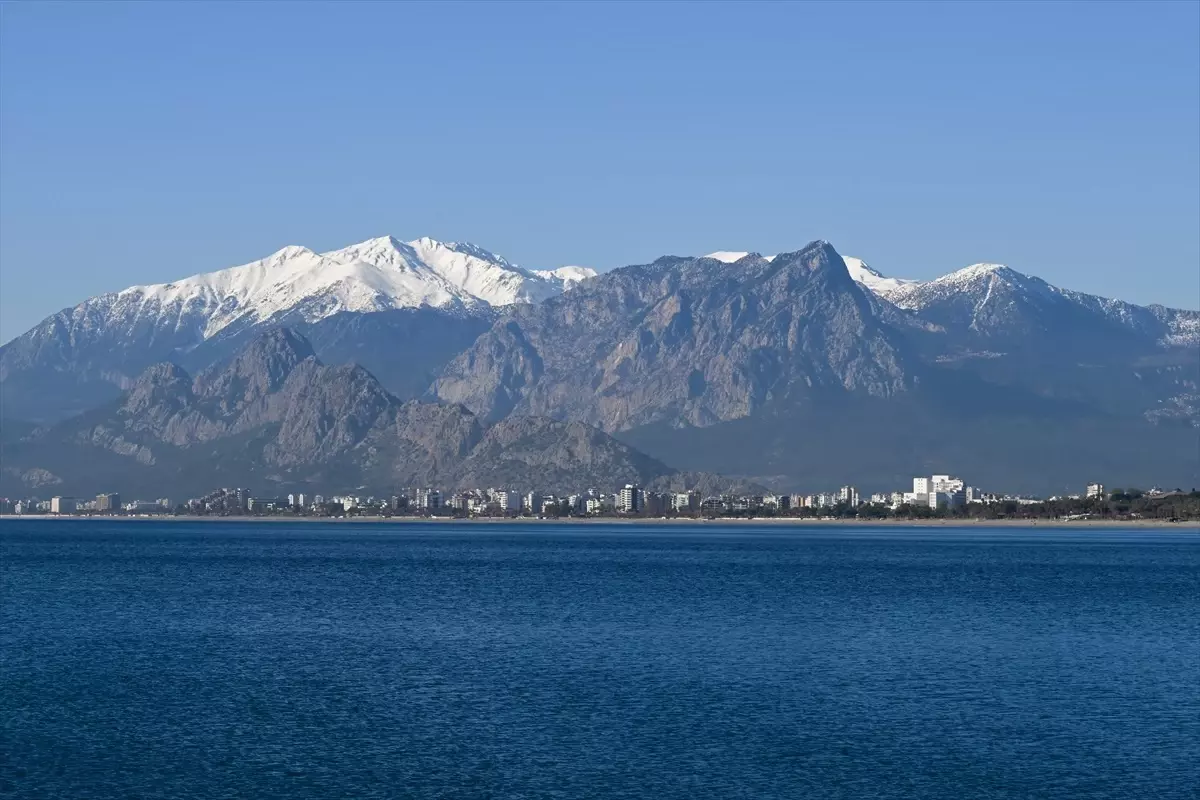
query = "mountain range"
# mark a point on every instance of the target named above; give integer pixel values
(801, 369)
(277, 418)
(356, 304)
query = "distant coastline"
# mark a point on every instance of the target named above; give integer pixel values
(1183, 525)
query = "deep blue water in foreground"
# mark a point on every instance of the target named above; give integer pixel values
(218, 660)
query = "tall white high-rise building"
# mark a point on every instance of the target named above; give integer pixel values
(506, 499)
(631, 499)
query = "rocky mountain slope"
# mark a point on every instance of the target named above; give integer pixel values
(421, 298)
(277, 419)
(991, 302)
(684, 341)
(787, 369)
(1017, 330)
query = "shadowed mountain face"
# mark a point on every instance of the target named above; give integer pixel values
(276, 418)
(684, 341)
(73, 361)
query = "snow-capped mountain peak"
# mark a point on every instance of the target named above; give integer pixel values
(977, 281)
(983, 271)
(375, 275)
(990, 299)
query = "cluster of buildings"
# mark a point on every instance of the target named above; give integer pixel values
(428, 500)
(107, 503)
(933, 492)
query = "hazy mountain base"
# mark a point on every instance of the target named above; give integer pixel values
(276, 419)
(47, 381)
(877, 446)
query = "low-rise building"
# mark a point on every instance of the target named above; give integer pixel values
(144, 507)
(258, 505)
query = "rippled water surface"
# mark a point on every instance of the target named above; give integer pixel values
(270, 660)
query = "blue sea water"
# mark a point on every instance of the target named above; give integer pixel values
(272, 660)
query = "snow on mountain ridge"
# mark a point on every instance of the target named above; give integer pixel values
(976, 278)
(728, 256)
(984, 284)
(878, 283)
(375, 275)
(859, 270)
(733, 256)
(569, 275)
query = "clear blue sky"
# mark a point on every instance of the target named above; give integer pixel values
(145, 142)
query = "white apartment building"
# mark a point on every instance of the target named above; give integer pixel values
(945, 483)
(685, 502)
(505, 499)
(62, 505)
